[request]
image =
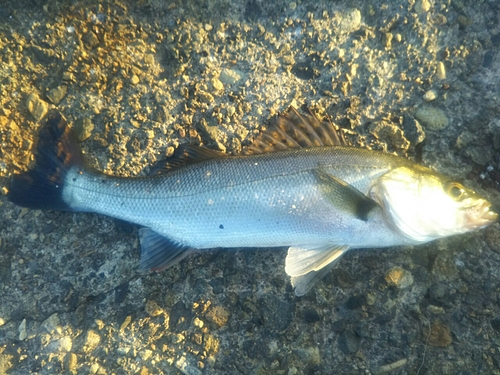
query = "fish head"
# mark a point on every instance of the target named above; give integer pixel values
(425, 205)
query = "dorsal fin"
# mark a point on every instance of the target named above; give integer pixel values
(184, 155)
(294, 130)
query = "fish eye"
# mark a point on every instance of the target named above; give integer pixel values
(455, 190)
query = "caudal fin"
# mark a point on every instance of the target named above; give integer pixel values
(57, 152)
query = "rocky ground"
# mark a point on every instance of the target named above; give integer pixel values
(138, 78)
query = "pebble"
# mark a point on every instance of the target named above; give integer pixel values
(441, 71)
(479, 154)
(36, 106)
(432, 118)
(84, 128)
(430, 95)
(230, 76)
(92, 340)
(71, 361)
(52, 323)
(390, 367)
(422, 6)
(399, 277)
(351, 21)
(22, 330)
(440, 334)
(7, 124)
(349, 342)
(217, 84)
(64, 344)
(134, 79)
(125, 323)
(153, 309)
(218, 315)
(57, 94)
(436, 310)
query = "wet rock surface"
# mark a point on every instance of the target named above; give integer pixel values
(139, 78)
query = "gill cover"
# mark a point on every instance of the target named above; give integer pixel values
(425, 205)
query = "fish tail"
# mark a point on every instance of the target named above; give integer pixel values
(57, 152)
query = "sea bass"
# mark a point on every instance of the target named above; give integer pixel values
(299, 185)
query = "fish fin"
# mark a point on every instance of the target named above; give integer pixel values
(159, 252)
(293, 130)
(306, 265)
(344, 196)
(57, 152)
(184, 155)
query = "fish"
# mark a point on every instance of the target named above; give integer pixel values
(299, 185)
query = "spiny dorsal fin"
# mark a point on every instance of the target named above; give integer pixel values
(293, 130)
(185, 155)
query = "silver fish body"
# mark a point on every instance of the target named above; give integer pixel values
(265, 200)
(319, 200)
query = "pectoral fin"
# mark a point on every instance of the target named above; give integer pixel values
(307, 265)
(344, 196)
(159, 252)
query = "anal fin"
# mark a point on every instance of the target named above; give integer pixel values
(307, 265)
(159, 252)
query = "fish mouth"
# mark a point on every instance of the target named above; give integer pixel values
(481, 215)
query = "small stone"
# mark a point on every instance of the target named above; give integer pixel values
(479, 154)
(52, 323)
(64, 344)
(68, 76)
(71, 361)
(217, 84)
(125, 323)
(218, 315)
(2, 322)
(90, 40)
(37, 107)
(57, 94)
(388, 40)
(432, 118)
(150, 134)
(430, 95)
(22, 330)
(422, 6)
(7, 124)
(371, 298)
(440, 334)
(292, 5)
(436, 310)
(134, 79)
(153, 309)
(84, 128)
(94, 367)
(213, 133)
(91, 342)
(230, 76)
(351, 21)
(399, 277)
(206, 97)
(198, 323)
(349, 342)
(441, 71)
